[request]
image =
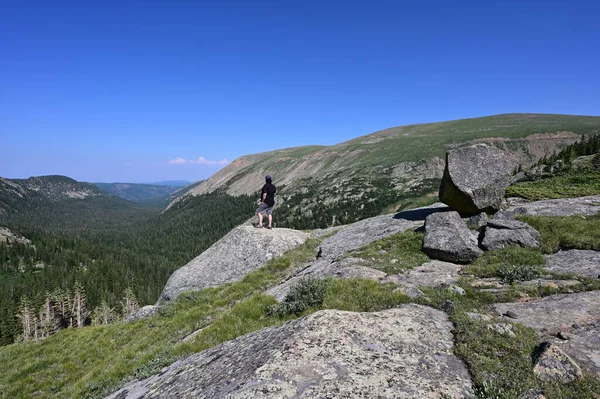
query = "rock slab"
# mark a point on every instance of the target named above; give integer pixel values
(356, 235)
(430, 274)
(588, 206)
(576, 261)
(398, 353)
(448, 238)
(241, 251)
(556, 313)
(502, 233)
(476, 177)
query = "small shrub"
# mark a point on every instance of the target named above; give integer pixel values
(306, 294)
(512, 273)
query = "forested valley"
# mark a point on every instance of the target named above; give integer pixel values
(94, 260)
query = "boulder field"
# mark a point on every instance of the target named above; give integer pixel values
(402, 352)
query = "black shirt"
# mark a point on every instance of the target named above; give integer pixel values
(270, 189)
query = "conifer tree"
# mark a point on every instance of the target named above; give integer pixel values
(103, 314)
(62, 301)
(48, 319)
(129, 303)
(78, 307)
(29, 322)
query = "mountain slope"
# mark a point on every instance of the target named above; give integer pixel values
(385, 170)
(19, 194)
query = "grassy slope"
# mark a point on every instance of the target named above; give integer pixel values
(423, 141)
(573, 184)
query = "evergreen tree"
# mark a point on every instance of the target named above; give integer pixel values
(48, 320)
(129, 303)
(103, 315)
(29, 322)
(78, 306)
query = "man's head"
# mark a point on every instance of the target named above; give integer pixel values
(268, 178)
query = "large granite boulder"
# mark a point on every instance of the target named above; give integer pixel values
(503, 233)
(476, 177)
(397, 353)
(449, 239)
(241, 251)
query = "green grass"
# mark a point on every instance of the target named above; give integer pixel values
(395, 253)
(573, 184)
(572, 232)
(361, 295)
(491, 263)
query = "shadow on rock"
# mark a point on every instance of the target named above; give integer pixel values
(419, 214)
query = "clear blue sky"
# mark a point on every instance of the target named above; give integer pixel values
(135, 90)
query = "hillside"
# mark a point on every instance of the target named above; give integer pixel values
(19, 193)
(386, 170)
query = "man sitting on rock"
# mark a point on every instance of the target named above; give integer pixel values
(267, 201)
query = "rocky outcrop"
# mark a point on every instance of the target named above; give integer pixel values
(143, 312)
(361, 233)
(241, 251)
(449, 239)
(589, 205)
(552, 364)
(7, 236)
(476, 177)
(576, 261)
(498, 234)
(398, 353)
(351, 237)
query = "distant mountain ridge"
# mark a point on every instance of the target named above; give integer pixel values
(137, 192)
(174, 183)
(16, 193)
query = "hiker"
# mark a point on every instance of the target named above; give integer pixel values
(267, 201)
